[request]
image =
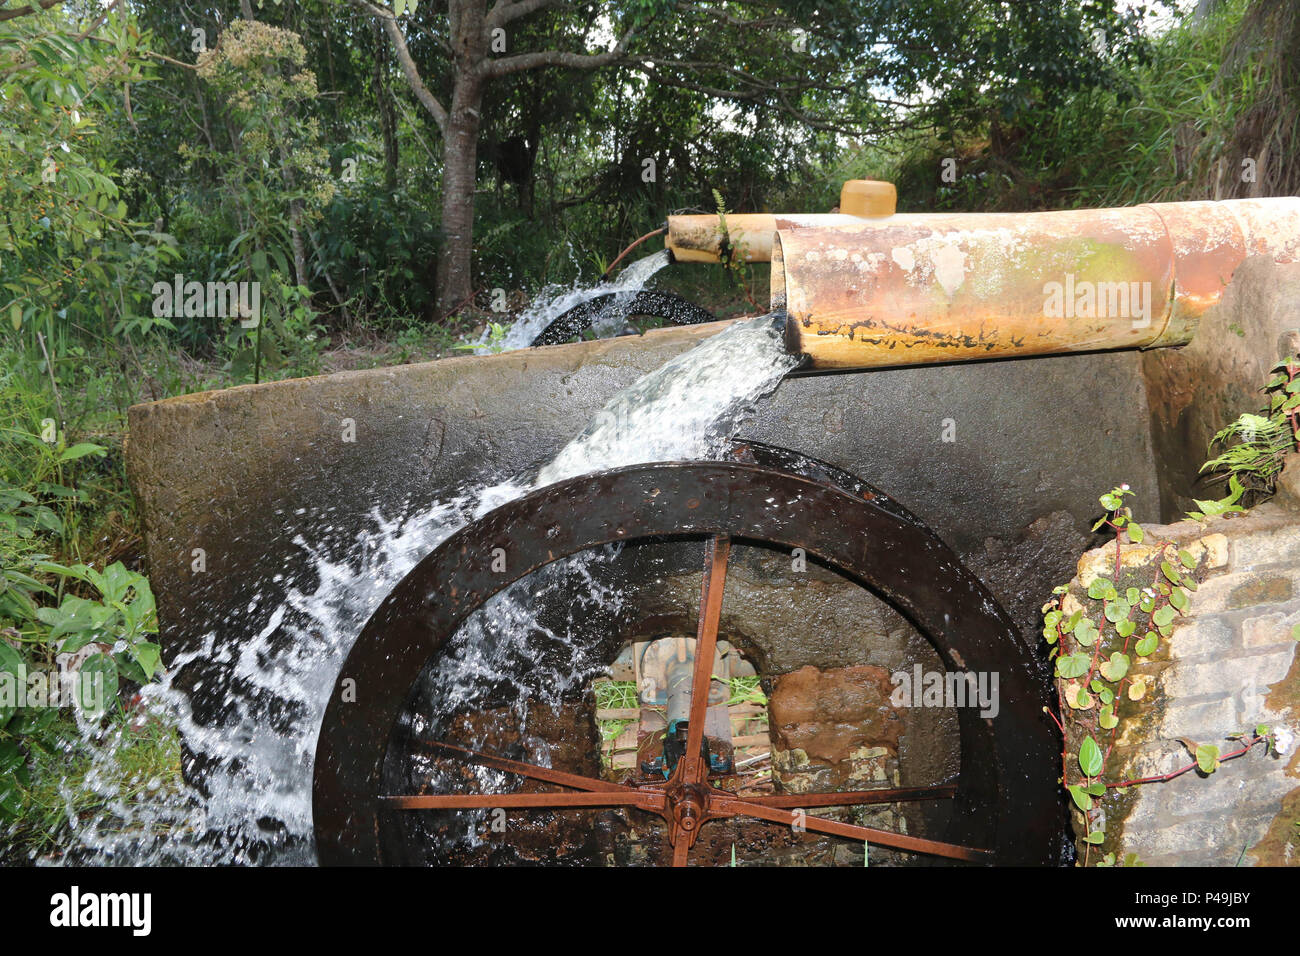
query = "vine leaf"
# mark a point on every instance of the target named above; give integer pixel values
(1072, 665)
(1207, 758)
(1090, 758)
(1077, 697)
(1115, 668)
(1117, 610)
(1086, 632)
(1107, 718)
(1138, 688)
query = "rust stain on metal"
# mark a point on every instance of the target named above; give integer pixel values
(917, 289)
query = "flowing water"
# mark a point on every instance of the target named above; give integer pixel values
(257, 804)
(555, 302)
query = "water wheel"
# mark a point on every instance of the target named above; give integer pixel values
(1005, 801)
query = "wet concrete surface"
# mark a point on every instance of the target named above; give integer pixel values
(242, 473)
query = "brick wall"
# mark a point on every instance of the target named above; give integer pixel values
(1230, 663)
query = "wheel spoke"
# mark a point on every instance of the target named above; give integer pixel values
(853, 798)
(706, 641)
(545, 774)
(897, 841)
(681, 851)
(508, 801)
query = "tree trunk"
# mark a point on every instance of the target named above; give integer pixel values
(387, 115)
(460, 165)
(295, 237)
(460, 156)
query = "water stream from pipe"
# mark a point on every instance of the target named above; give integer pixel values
(555, 302)
(255, 805)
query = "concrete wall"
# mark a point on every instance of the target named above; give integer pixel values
(245, 472)
(1195, 391)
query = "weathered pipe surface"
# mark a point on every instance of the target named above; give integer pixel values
(919, 289)
(1004, 460)
(748, 236)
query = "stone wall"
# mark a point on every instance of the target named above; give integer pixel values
(1230, 664)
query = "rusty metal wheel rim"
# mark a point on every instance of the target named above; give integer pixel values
(1006, 799)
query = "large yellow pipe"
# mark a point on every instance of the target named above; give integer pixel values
(924, 288)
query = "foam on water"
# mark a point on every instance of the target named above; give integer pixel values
(257, 804)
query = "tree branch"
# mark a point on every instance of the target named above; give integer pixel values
(24, 11)
(573, 61)
(409, 69)
(503, 11)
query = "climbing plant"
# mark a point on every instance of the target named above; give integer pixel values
(1100, 631)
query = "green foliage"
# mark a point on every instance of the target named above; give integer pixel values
(615, 694)
(380, 246)
(70, 254)
(492, 344)
(1182, 110)
(275, 179)
(745, 690)
(1096, 647)
(1254, 446)
(1207, 758)
(38, 493)
(52, 492)
(123, 614)
(1096, 651)
(50, 782)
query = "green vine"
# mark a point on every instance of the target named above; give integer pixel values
(1097, 638)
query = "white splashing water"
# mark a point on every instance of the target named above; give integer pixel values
(257, 808)
(685, 409)
(555, 302)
